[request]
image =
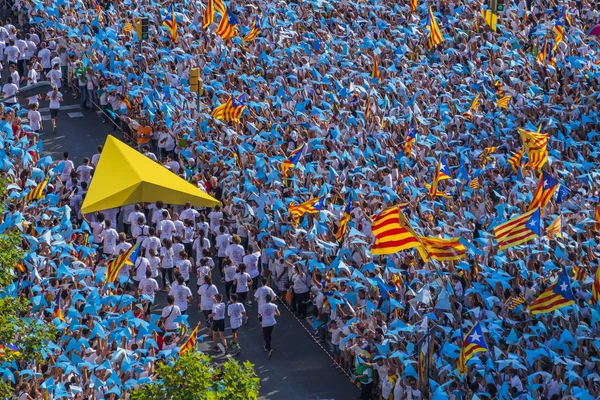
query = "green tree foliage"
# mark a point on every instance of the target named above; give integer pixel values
(193, 377)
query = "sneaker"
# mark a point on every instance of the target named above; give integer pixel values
(265, 349)
(246, 322)
(249, 303)
(270, 353)
(216, 349)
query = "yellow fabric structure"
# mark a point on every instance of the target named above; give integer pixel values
(125, 176)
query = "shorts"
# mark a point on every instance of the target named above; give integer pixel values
(234, 330)
(206, 315)
(53, 112)
(218, 325)
(336, 349)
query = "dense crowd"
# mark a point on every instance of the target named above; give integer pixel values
(309, 80)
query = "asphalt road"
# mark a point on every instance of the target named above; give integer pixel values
(299, 368)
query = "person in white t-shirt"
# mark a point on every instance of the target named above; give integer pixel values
(237, 314)
(109, 238)
(148, 287)
(221, 243)
(207, 291)
(182, 294)
(140, 267)
(261, 293)
(55, 97)
(85, 170)
(251, 261)
(267, 313)
(55, 76)
(235, 251)
(242, 282)
(67, 167)
(170, 313)
(218, 322)
(184, 266)
(35, 118)
(229, 271)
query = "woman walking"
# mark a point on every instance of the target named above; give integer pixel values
(55, 97)
(267, 313)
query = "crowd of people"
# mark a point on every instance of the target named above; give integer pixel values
(372, 107)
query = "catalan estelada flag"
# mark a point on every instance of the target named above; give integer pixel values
(390, 236)
(220, 7)
(441, 173)
(503, 102)
(37, 192)
(541, 57)
(559, 27)
(375, 74)
(514, 301)
(254, 31)
(535, 145)
(57, 313)
(516, 160)
(473, 343)
(544, 192)
(435, 35)
(555, 228)
(190, 344)
(442, 249)
(346, 217)
(367, 109)
(596, 288)
(209, 14)
(556, 296)
(227, 28)
(127, 257)
(170, 22)
(311, 206)
(232, 110)
(518, 230)
(411, 137)
(292, 160)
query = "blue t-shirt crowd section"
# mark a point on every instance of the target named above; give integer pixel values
(372, 136)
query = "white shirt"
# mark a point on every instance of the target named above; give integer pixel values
(171, 313)
(267, 311)
(206, 294)
(251, 261)
(219, 310)
(55, 77)
(10, 89)
(222, 242)
(54, 100)
(141, 264)
(230, 273)
(261, 293)
(149, 287)
(151, 242)
(184, 268)
(44, 55)
(35, 120)
(166, 229)
(181, 294)
(167, 257)
(242, 282)
(235, 252)
(85, 172)
(109, 240)
(235, 312)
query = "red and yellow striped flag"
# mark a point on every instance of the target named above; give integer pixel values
(227, 28)
(474, 184)
(375, 74)
(112, 270)
(435, 35)
(209, 14)
(544, 192)
(390, 236)
(516, 160)
(555, 228)
(442, 249)
(596, 288)
(413, 5)
(598, 216)
(503, 102)
(220, 7)
(514, 301)
(190, 344)
(536, 146)
(37, 192)
(579, 273)
(231, 110)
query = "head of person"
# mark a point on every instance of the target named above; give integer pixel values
(148, 274)
(107, 223)
(236, 239)
(207, 280)
(180, 280)
(219, 297)
(233, 297)
(170, 299)
(268, 298)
